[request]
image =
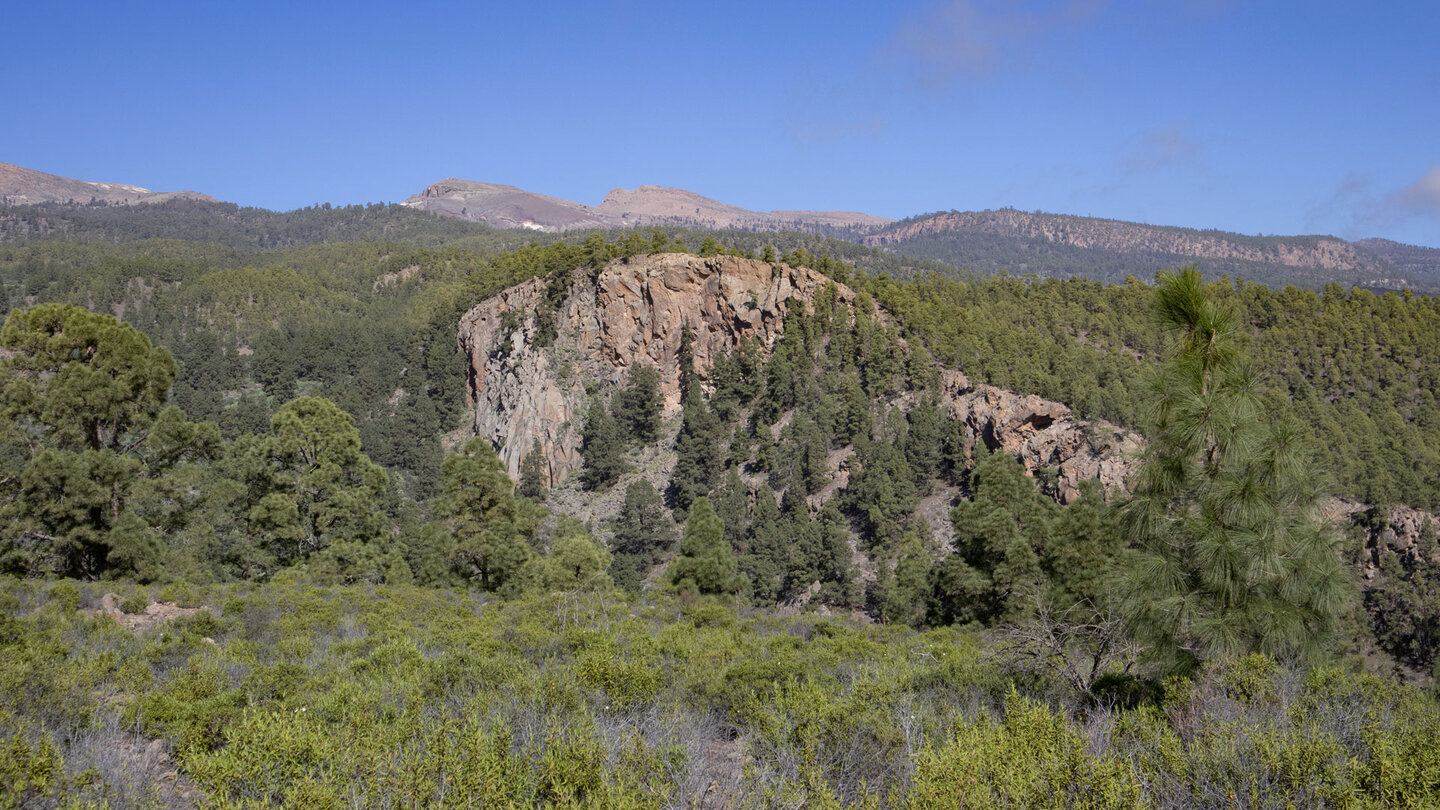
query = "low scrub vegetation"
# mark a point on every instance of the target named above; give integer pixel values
(365, 696)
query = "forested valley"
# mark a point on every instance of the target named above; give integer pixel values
(254, 556)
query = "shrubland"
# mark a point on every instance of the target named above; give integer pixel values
(363, 696)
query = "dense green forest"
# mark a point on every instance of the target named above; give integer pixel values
(253, 425)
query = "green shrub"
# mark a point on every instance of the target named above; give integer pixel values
(626, 683)
(135, 602)
(1251, 678)
(1033, 758)
(28, 771)
(65, 594)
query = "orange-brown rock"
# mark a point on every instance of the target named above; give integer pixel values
(1043, 435)
(632, 312)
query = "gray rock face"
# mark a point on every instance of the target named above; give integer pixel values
(633, 312)
(1387, 530)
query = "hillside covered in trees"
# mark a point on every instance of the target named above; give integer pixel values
(792, 552)
(1063, 246)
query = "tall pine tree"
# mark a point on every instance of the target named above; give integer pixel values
(639, 406)
(1234, 555)
(706, 563)
(600, 447)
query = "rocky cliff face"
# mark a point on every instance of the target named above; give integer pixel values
(1045, 436)
(633, 311)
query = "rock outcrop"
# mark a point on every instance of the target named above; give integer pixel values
(1397, 530)
(633, 311)
(1045, 436)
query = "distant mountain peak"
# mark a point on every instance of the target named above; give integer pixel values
(647, 205)
(21, 186)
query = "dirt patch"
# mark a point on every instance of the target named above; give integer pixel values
(155, 613)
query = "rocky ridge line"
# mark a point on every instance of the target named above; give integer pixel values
(1325, 252)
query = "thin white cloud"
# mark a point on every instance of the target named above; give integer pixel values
(972, 39)
(1346, 203)
(1156, 149)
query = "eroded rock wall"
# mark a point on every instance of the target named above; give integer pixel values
(1044, 435)
(633, 311)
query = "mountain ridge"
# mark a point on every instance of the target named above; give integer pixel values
(1108, 250)
(647, 205)
(1004, 240)
(22, 186)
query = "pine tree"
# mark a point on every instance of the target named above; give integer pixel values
(706, 563)
(575, 562)
(533, 473)
(685, 360)
(732, 504)
(639, 405)
(1081, 557)
(1234, 556)
(492, 530)
(906, 595)
(699, 451)
(642, 533)
(600, 447)
(767, 549)
(995, 573)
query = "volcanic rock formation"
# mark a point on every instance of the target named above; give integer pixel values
(633, 311)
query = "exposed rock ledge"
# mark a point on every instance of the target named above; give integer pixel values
(632, 312)
(1044, 435)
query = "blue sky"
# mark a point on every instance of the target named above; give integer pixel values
(1256, 117)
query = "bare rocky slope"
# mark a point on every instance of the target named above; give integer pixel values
(633, 311)
(20, 186)
(511, 207)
